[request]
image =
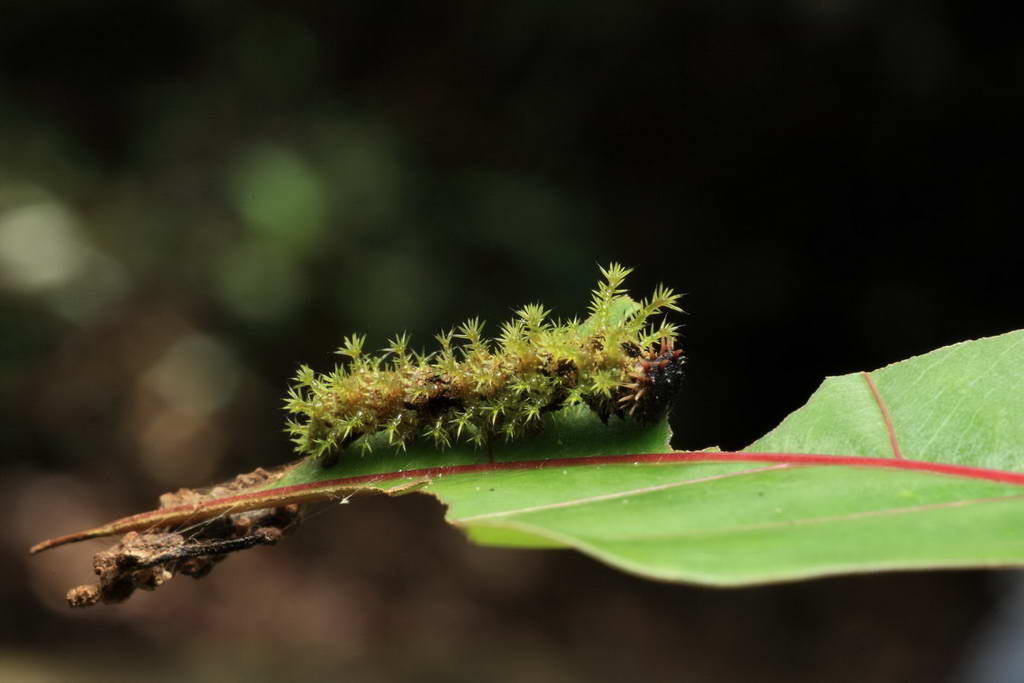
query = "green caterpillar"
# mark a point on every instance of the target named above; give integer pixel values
(477, 389)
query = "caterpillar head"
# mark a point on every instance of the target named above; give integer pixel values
(656, 378)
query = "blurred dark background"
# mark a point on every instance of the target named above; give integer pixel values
(195, 197)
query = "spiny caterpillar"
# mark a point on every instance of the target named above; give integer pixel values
(476, 389)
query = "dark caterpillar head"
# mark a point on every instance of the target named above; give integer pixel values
(657, 378)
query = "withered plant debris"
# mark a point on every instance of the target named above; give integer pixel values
(148, 560)
(241, 483)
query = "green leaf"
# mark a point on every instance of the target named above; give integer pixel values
(961, 404)
(823, 493)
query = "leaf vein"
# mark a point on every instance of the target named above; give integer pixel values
(620, 494)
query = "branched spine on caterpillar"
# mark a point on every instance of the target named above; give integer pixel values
(476, 390)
